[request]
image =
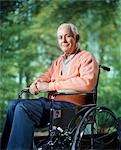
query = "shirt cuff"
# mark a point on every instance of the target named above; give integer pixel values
(52, 86)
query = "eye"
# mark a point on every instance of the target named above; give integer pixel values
(60, 37)
(68, 35)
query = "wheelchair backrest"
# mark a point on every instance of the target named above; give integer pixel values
(94, 93)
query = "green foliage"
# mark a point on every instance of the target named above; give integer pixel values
(28, 43)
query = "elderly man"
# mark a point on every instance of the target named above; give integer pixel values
(76, 70)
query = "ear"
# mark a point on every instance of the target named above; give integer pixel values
(77, 37)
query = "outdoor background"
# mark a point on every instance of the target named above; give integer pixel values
(28, 43)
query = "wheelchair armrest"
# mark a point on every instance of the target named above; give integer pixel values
(104, 67)
(73, 93)
(26, 90)
(80, 98)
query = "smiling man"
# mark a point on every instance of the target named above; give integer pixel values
(68, 39)
(74, 71)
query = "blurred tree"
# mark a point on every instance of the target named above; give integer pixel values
(28, 42)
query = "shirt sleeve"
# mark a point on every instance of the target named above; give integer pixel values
(86, 80)
(46, 77)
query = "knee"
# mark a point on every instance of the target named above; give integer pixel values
(22, 106)
(22, 112)
(11, 109)
(12, 105)
(19, 106)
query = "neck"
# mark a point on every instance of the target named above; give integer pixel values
(68, 54)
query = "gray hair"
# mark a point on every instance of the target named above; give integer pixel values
(72, 26)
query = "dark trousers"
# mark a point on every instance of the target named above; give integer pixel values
(23, 116)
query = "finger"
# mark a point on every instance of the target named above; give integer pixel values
(33, 89)
(38, 86)
(26, 89)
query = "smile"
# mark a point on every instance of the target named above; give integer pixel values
(65, 45)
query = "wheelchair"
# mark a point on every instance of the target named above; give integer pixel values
(92, 127)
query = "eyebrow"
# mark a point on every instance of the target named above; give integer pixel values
(65, 34)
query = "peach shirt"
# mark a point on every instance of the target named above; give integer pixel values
(81, 74)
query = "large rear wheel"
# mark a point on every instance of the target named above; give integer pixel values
(98, 129)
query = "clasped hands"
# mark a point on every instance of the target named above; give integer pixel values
(38, 86)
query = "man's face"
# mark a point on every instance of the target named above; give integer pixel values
(66, 40)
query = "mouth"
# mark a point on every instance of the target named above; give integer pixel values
(65, 45)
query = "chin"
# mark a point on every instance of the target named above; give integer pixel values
(65, 49)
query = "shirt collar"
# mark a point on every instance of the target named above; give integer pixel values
(72, 55)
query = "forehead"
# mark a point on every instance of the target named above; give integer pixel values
(64, 30)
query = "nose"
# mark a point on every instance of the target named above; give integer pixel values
(64, 39)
